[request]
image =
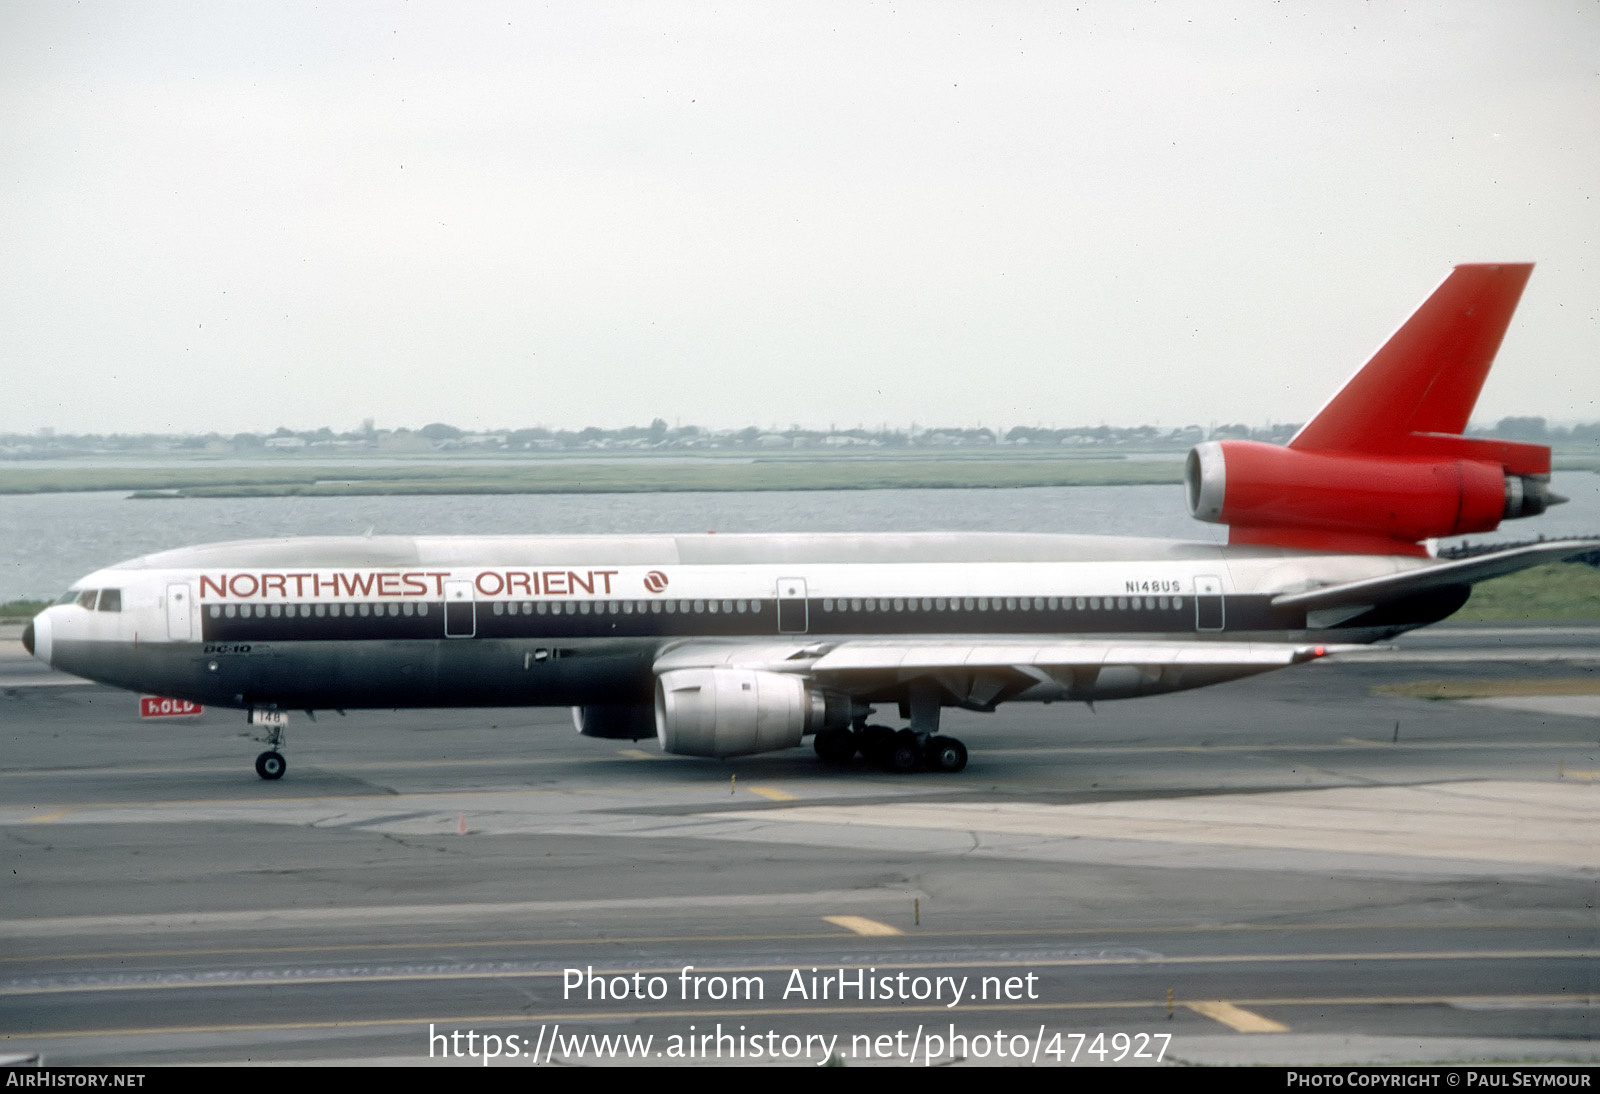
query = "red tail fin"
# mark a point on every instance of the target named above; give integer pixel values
(1383, 466)
(1414, 396)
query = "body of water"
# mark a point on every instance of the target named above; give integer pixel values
(49, 540)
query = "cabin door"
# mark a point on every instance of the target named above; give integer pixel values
(792, 613)
(460, 611)
(179, 615)
(1209, 610)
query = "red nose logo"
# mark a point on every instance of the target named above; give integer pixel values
(655, 581)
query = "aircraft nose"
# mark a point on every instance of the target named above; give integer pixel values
(36, 637)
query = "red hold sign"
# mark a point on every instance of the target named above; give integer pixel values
(154, 706)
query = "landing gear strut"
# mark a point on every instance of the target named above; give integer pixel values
(270, 764)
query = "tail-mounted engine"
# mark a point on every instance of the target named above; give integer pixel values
(1384, 464)
(733, 712)
(1269, 494)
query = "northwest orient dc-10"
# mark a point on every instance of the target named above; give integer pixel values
(724, 645)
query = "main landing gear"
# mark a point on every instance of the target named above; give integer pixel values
(271, 764)
(901, 752)
(917, 748)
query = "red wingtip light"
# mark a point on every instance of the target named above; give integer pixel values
(1318, 651)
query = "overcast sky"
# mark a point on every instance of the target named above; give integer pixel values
(244, 215)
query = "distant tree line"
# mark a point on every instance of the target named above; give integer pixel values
(658, 435)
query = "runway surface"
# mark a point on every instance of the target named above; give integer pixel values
(1289, 869)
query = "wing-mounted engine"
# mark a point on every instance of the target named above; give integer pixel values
(1383, 465)
(734, 711)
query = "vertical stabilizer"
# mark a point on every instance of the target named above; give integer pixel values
(1426, 378)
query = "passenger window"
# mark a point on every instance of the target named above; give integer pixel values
(111, 600)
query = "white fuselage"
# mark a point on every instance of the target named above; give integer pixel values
(398, 621)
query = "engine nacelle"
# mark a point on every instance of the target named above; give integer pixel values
(1254, 486)
(733, 712)
(615, 722)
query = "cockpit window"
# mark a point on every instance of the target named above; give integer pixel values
(86, 598)
(68, 597)
(111, 600)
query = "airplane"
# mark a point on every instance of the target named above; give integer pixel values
(728, 645)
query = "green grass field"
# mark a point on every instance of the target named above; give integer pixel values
(1558, 590)
(20, 611)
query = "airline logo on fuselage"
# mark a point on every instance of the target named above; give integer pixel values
(407, 584)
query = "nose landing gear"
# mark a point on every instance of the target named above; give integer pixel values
(270, 764)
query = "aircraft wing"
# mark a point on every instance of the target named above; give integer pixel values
(979, 671)
(914, 656)
(1466, 571)
(907, 654)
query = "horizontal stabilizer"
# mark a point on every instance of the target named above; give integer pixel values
(1466, 571)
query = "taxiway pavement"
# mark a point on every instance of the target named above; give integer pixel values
(1288, 869)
